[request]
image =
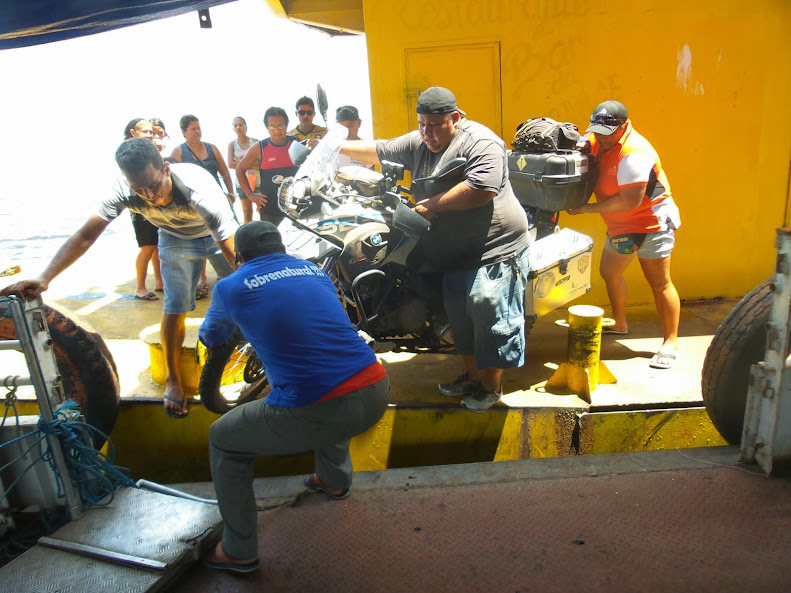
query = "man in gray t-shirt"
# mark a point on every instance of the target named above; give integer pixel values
(194, 222)
(478, 238)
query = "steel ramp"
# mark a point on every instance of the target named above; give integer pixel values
(139, 543)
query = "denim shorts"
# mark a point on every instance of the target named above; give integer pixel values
(242, 195)
(486, 310)
(181, 262)
(654, 246)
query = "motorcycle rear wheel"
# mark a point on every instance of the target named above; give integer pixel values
(233, 375)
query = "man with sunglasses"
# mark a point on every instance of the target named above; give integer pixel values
(191, 212)
(306, 111)
(633, 197)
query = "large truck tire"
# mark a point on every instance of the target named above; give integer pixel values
(86, 367)
(739, 343)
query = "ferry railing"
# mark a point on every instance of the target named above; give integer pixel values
(33, 339)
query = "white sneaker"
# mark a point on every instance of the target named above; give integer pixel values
(459, 386)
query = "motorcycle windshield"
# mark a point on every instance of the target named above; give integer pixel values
(321, 165)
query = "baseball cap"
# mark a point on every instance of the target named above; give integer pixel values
(346, 113)
(255, 235)
(606, 118)
(437, 99)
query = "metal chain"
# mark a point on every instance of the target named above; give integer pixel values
(10, 398)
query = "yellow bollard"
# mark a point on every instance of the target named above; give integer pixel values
(583, 371)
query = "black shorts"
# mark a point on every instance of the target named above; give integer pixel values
(145, 232)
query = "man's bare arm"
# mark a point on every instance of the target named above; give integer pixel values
(460, 197)
(362, 150)
(72, 250)
(226, 246)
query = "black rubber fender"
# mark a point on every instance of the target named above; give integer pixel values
(739, 343)
(86, 367)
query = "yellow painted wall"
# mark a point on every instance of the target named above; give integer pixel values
(708, 83)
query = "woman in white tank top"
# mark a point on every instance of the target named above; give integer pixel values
(236, 151)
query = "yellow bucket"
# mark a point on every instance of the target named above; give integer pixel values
(188, 360)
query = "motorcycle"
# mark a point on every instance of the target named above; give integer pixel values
(359, 227)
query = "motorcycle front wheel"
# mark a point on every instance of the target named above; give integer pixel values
(233, 374)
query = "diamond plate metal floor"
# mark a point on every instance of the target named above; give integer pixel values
(691, 520)
(139, 526)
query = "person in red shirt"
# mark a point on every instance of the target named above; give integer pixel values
(270, 156)
(633, 197)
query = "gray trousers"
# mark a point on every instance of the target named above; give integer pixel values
(256, 428)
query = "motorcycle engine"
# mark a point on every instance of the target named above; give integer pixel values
(408, 317)
(364, 248)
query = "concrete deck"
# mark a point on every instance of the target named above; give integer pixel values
(114, 313)
(423, 427)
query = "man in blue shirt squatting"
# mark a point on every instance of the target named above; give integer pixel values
(326, 384)
(191, 212)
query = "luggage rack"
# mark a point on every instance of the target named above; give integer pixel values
(143, 537)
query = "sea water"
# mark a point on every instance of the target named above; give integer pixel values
(65, 105)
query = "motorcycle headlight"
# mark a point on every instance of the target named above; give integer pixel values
(299, 189)
(284, 194)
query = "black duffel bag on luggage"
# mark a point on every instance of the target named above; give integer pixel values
(544, 134)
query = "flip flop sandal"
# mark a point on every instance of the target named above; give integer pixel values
(609, 330)
(202, 292)
(321, 488)
(180, 402)
(149, 297)
(233, 566)
(660, 360)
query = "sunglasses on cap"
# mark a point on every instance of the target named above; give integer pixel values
(305, 111)
(606, 119)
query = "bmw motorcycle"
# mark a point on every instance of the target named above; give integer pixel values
(360, 228)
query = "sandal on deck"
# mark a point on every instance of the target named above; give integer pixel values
(149, 297)
(319, 487)
(180, 402)
(215, 560)
(232, 566)
(202, 292)
(661, 360)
